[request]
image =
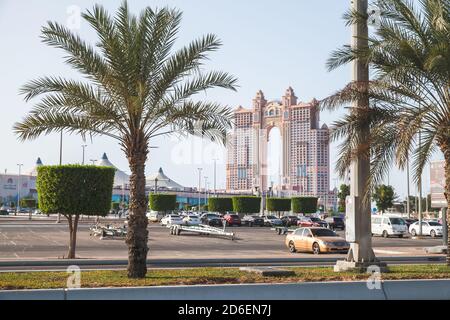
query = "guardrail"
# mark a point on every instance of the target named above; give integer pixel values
(389, 290)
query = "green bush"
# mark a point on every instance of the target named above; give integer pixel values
(75, 190)
(163, 202)
(278, 204)
(115, 205)
(246, 204)
(304, 204)
(28, 203)
(221, 205)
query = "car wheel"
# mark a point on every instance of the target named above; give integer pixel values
(413, 232)
(316, 248)
(385, 234)
(433, 234)
(292, 247)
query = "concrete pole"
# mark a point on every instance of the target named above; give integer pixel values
(408, 209)
(358, 213)
(58, 220)
(199, 185)
(215, 190)
(444, 226)
(83, 146)
(18, 188)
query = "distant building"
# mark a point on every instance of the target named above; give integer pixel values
(12, 183)
(305, 162)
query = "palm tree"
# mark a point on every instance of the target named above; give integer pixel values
(409, 56)
(135, 87)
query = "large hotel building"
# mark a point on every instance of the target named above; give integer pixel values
(305, 163)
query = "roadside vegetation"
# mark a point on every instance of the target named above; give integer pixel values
(196, 276)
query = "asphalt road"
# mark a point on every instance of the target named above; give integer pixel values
(23, 240)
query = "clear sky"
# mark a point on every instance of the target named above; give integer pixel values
(267, 45)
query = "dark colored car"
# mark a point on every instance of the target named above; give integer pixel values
(232, 219)
(253, 221)
(335, 223)
(317, 222)
(211, 219)
(289, 220)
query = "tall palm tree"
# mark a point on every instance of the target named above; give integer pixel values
(409, 56)
(135, 87)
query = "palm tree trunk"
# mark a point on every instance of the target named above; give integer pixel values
(73, 226)
(137, 235)
(444, 145)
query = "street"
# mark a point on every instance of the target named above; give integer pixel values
(23, 239)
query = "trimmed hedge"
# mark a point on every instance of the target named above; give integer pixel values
(75, 189)
(304, 204)
(278, 204)
(246, 204)
(28, 203)
(221, 205)
(163, 202)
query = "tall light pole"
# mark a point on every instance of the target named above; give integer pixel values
(199, 185)
(58, 219)
(408, 209)
(358, 213)
(83, 146)
(215, 190)
(18, 188)
(206, 188)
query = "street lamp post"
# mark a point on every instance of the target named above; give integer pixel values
(93, 161)
(18, 188)
(358, 213)
(83, 146)
(199, 185)
(215, 160)
(206, 189)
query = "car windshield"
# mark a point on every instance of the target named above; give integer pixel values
(397, 221)
(435, 224)
(323, 233)
(256, 217)
(234, 216)
(338, 219)
(271, 217)
(314, 219)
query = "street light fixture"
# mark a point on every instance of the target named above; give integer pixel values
(215, 191)
(93, 161)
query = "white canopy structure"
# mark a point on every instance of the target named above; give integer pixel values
(120, 178)
(162, 182)
(33, 171)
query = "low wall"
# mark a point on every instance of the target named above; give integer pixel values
(358, 290)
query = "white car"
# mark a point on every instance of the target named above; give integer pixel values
(191, 220)
(154, 216)
(429, 228)
(272, 221)
(389, 226)
(170, 219)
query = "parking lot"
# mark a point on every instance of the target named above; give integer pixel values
(45, 240)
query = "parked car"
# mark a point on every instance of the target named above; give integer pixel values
(232, 219)
(388, 226)
(289, 220)
(4, 212)
(317, 222)
(191, 220)
(335, 223)
(272, 221)
(316, 240)
(409, 222)
(429, 228)
(171, 219)
(253, 220)
(211, 219)
(154, 216)
(304, 222)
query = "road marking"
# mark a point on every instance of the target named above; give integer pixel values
(387, 251)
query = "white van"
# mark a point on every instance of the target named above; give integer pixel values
(388, 226)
